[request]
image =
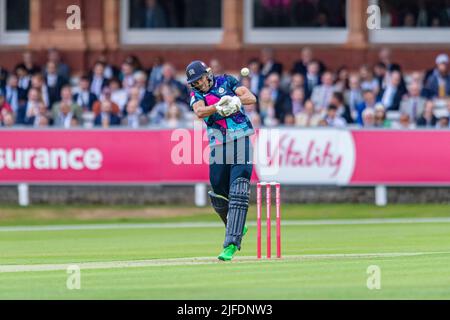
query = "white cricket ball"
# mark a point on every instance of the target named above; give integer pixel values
(245, 72)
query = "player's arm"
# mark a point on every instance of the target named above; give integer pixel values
(202, 110)
(245, 95)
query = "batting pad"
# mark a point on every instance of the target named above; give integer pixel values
(220, 205)
(237, 211)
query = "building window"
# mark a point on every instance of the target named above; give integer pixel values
(14, 22)
(404, 21)
(295, 21)
(171, 21)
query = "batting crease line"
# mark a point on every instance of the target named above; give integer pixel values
(201, 261)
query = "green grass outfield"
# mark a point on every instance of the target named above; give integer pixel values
(326, 255)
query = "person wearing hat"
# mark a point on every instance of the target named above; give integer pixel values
(438, 84)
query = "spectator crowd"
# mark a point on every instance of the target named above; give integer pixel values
(306, 94)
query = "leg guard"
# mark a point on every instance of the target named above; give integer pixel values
(237, 212)
(220, 205)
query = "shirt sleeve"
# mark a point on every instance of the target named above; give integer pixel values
(194, 98)
(233, 83)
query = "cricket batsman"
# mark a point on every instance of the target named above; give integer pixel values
(218, 100)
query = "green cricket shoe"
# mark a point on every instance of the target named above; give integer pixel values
(228, 252)
(244, 232)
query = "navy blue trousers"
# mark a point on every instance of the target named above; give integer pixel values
(228, 162)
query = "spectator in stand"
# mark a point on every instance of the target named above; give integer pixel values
(266, 106)
(438, 83)
(269, 64)
(4, 105)
(380, 117)
(8, 120)
(385, 57)
(28, 63)
(106, 118)
(37, 82)
(332, 118)
(280, 97)
(134, 118)
(321, 95)
(245, 82)
(380, 72)
(118, 95)
(168, 78)
(297, 81)
(63, 69)
(30, 107)
(146, 98)
(312, 78)
(393, 93)
(308, 117)
(427, 119)
(443, 123)
(159, 112)
(134, 62)
(127, 75)
(256, 78)
(296, 101)
(216, 66)
(301, 66)
(368, 103)
(251, 110)
(64, 116)
(110, 70)
(23, 78)
(368, 118)
(289, 120)
(105, 96)
(413, 104)
(353, 96)
(84, 97)
(60, 115)
(341, 83)
(14, 95)
(3, 77)
(155, 73)
(404, 122)
(98, 80)
(174, 117)
(53, 82)
(35, 115)
(368, 81)
(343, 110)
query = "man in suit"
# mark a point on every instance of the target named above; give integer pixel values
(256, 78)
(54, 82)
(391, 96)
(413, 104)
(84, 97)
(15, 96)
(312, 78)
(301, 66)
(106, 118)
(268, 63)
(322, 94)
(98, 80)
(59, 112)
(343, 110)
(368, 103)
(281, 98)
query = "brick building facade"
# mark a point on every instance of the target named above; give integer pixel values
(102, 32)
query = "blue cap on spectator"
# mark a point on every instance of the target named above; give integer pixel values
(442, 58)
